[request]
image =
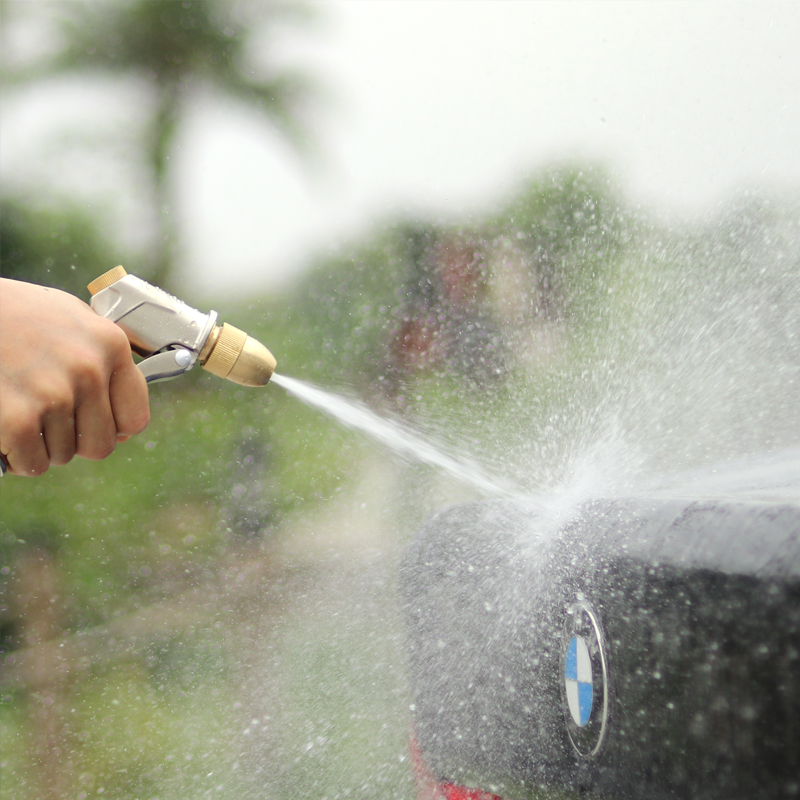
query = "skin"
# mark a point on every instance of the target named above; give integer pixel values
(68, 383)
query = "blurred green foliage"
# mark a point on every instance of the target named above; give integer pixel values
(336, 327)
(524, 322)
(420, 319)
(164, 512)
(570, 222)
(158, 503)
(58, 247)
(566, 228)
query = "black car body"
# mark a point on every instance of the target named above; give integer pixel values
(684, 606)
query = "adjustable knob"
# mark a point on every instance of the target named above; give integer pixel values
(106, 279)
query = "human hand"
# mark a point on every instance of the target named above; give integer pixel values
(68, 384)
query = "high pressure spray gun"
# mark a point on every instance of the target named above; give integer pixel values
(172, 337)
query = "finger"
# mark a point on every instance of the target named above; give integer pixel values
(95, 429)
(59, 437)
(30, 461)
(129, 398)
(24, 452)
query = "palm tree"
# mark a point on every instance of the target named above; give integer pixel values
(179, 49)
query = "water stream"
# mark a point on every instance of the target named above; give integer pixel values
(396, 436)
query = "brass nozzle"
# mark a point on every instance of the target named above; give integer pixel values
(231, 354)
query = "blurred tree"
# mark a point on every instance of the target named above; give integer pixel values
(568, 223)
(60, 248)
(417, 298)
(340, 313)
(178, 48)
(446, 322)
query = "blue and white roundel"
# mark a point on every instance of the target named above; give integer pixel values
(578, 680)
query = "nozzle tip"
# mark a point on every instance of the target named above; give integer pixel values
(255, 364)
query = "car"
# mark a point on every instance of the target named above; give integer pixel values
(640, 646)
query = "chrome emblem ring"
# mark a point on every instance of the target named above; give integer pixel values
(584, 684)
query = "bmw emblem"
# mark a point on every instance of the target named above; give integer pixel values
(584, 685)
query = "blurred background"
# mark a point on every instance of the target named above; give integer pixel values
(553, 237)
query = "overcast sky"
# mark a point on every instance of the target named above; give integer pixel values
(440, 107)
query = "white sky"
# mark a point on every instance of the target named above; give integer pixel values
(442, 106)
